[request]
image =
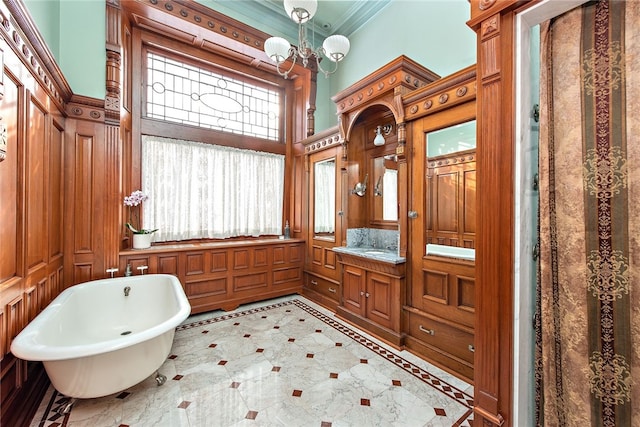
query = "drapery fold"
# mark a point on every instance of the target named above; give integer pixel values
(209, 191)
(588, 315)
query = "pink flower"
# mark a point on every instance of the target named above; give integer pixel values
(133, 201)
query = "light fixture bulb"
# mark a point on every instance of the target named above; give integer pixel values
(277, 49)
(336, 47)
(301, 11)
(379, 139)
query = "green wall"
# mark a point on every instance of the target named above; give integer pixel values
(74, 31)
(439, 39)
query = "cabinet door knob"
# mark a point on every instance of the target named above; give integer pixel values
(472, 348)
(332, 290)
(427, 331)
(366, 294)
(313, 282)
(412, 214)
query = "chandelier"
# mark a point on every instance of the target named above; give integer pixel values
(279, 50)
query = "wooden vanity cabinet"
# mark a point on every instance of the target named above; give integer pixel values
(372, 292)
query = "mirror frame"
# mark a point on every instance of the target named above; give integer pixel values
(325, 236)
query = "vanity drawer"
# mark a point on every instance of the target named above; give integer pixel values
(449, 339)
(323, 286)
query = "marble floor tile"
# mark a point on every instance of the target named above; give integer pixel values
(282, 362)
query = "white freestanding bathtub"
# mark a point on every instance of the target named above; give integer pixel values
(104, 336)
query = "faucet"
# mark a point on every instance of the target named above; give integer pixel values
(112, 271)
(142, 268)
(127, 289)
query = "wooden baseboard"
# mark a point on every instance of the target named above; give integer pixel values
(23, 407)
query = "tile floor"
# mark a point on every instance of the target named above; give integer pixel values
(283, 362)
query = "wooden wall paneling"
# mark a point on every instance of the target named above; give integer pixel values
(36, 177)
(260, 257)
(279, 255)
(219, 261)
(31, 301)
(3, 334)
(16, 320)
(32, 102)
(12, 223)
(86, 224)
(195, 264)
(168, 264)
(55, 220)
(241, 259)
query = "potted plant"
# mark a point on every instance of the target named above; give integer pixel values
(141, 237)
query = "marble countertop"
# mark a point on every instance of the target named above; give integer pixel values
(377, 254)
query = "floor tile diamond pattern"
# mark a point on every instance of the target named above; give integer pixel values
(286, 362)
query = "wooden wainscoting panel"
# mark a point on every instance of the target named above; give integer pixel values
(31, 301)
(84, 224)
(206, 287)
(330, 259)
(219, 261)
(241, 259)
(168, 264)
(469, 202)
(56, 193)
(10, 226)
(316, 254)
(195, 263)
(279, 255)
(260, 257)
(286, 276)
(231, 274)
(435, 287)
(466, 290)
(3, 334)
(82, 272)
(36, 184)
(250, 281)
(296, 253)
(15, 318)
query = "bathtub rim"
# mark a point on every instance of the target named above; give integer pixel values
(25, 345)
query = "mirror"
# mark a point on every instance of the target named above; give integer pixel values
(451, 186)
(385, 190)
(324, 198)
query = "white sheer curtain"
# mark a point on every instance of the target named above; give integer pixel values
(325, 197)
(208, 191)
(390, 195)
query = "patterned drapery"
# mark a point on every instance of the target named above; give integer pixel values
(588, 319)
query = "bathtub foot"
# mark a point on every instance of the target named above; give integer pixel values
(160, 379)
(66, 408)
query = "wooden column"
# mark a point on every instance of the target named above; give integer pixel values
(494, 23)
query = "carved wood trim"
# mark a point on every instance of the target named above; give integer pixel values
(86, 108)
(452, 90)
(401, 72)
(325, 139)
(21, 34)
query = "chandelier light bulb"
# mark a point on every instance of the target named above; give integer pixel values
(278, 50)
(301, 11)
(336, 47)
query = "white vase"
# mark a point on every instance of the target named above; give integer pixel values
(142, 241)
